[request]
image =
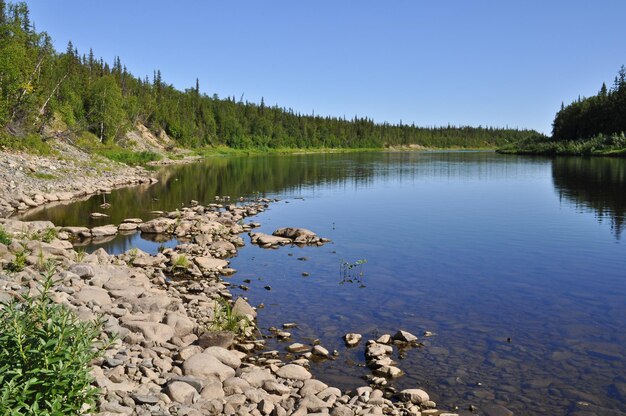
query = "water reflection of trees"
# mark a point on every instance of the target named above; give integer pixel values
(594, 183)
(269, 175)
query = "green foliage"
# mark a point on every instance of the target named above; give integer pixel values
(181, 261)
(225, 319)
(104, 109)
(80, 255)
(587, 118)
(600, 145)
(45, 351)
(129, 157)
(18, 263)
(5, 238)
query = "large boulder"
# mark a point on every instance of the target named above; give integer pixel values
(206, 366)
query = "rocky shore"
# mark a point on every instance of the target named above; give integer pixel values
(28, 181)
(175, 350)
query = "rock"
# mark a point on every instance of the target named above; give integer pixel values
(257, 376)
(151, 331)
(293, 372)
(181, 392)
(205, 366)
(127, 226)
(268, 240)
(95, 294)
(352, 339)
(298, 235)
(312, 387)
(210, 263)
(82, 270)
(416, 396)
(274, 387)
(384, 339)
(181, 324)
(342, 410)
(389, 371)
(132, 220)
(158, 226)
(222, 339)
(98, 215)
(104, 230)
(76, 230)
(243, 308)
(213, 390)
(320, 351)
(404, 336)
(296, 347)
(230, 358)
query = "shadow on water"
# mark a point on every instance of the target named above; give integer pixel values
(597, 184)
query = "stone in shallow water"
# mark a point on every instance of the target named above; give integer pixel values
(352, 339)
(416, 396)
(404, 336)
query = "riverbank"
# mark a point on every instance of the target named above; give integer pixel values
(171, 356)
(28, 180)
(604, 146)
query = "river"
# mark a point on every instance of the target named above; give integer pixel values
(516, 265)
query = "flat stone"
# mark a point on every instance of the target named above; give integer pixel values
(95, 294)
(104, 230)
(181, 392)
(416, 396)
(206, 366)
(297, 347)
(293, 372)
(210, 263)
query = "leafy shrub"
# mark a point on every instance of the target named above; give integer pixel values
(45, 351)
(181, 261)
(19, 262)
(5, 238)
(225, 319)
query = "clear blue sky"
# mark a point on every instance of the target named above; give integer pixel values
(464, 62)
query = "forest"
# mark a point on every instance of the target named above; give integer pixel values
(588, 126)
(43, 90)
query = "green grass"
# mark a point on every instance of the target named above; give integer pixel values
(130, 157)
(31, 143)
(225, 319)
(45, 355)
(39, 175)
(181, 261)
(18, 263)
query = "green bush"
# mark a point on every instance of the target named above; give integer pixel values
(18, 263)
(5, 238)
(45, 352)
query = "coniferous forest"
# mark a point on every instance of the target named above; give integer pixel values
(588, 126)
(41, 87)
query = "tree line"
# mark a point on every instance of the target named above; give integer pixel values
(601, 114)
(40, 87)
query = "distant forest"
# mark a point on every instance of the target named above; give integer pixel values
(593, 126)
(604, 113)
(40, 87)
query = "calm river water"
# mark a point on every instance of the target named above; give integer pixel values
(478, 248)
